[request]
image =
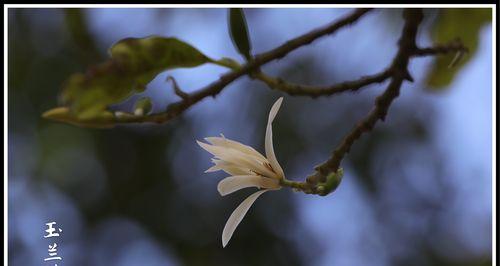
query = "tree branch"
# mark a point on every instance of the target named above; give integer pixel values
(399, 73)
(175, 109)
(316, 91)
(275, 83)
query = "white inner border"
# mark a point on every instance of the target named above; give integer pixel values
(493, 100)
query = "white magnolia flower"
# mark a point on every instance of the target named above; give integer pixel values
(247, 168)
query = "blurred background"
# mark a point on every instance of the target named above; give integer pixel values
(416, 191)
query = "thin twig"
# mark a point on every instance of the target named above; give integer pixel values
(177, 90)
(316, 91)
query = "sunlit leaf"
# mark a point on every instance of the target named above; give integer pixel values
(133, 64)
(452, 23)
(239, 31)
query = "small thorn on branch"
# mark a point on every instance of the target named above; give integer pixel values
(177, 89)
(407, 76)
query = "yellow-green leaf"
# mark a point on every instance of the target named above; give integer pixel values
(133, 64)
(239, 31)
(452, 23)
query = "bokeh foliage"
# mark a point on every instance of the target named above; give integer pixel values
(451, 23)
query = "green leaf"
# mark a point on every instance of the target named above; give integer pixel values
(143, 106)
(239, 31)
(133, 64)
(452, 23)
(63, 114)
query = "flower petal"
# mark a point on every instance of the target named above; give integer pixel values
(224, 142)
(274, 110)
(271, 156)
(231, 184)
(207, 147)
(238, 158)
(214, 168)
(230, 168)
(237, 215)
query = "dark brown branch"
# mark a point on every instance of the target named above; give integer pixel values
(293, 89)
(455, 46)
(316, 91)
(175, 109)
(399, 68)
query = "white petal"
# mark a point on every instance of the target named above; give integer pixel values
(238, 215)
(231, 184)
(214, 168)
(274, 110)
(206, 147)
(238, 158)
(271, 156)
(224, 142)
(232, 169)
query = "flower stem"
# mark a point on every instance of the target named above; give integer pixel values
(302, 186)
